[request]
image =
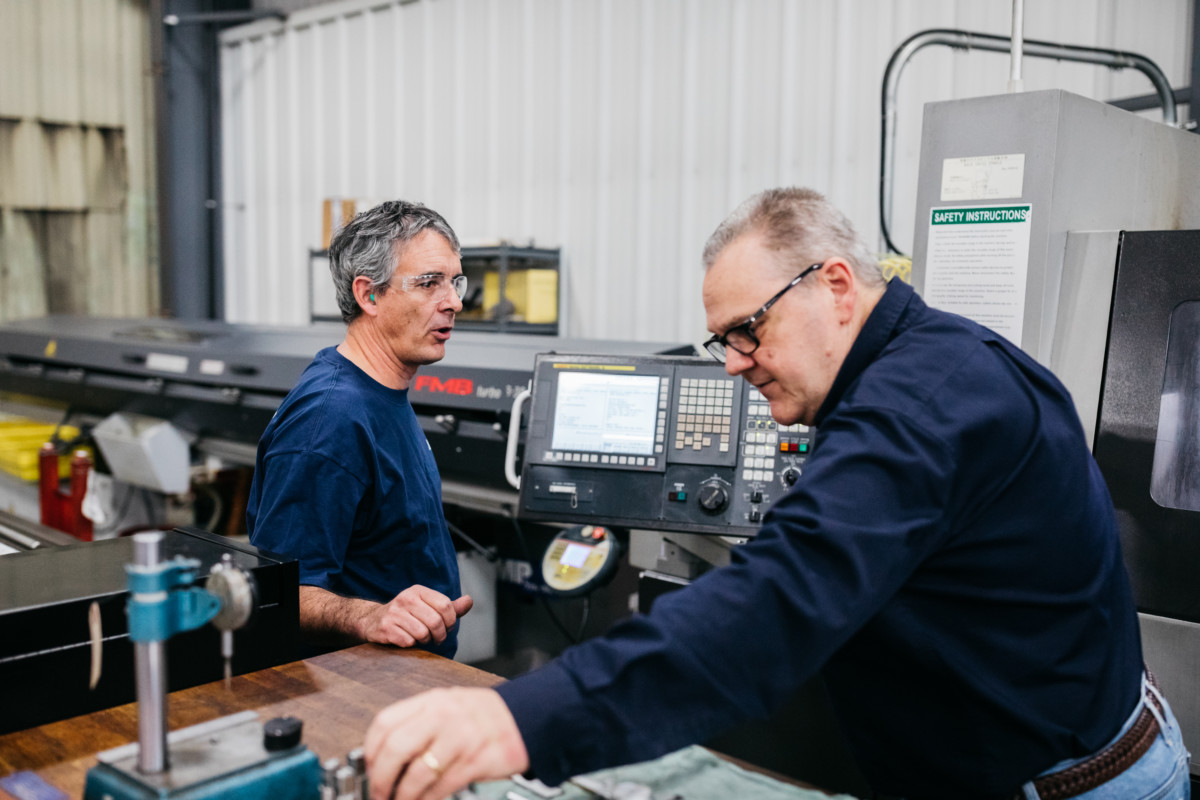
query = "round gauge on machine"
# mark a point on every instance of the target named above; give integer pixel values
(579, 559)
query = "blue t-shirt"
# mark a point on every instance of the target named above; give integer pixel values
(949, 560)
(345, 482)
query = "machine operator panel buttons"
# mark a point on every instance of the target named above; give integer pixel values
(704, 411)
(613, 460)
(760, 441)
(795, 439)
(764, 440)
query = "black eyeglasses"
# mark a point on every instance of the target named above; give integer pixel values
(741, 337)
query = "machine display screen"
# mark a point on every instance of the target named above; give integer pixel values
(597, 412)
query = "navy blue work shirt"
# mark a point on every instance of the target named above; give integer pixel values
(345, 483)
(949, 560)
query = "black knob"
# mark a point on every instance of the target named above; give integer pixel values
(791, 475)
(713, 496)
(282, 733)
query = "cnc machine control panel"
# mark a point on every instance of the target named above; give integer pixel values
(661, 442)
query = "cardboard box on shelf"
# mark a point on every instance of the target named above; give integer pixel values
(533, 293)
(337, 211)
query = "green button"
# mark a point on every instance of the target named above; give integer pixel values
(804, 447)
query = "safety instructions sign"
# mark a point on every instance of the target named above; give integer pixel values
(977, 264)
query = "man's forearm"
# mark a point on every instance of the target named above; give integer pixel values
(325, 616)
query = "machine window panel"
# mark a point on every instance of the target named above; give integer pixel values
(1175, 477)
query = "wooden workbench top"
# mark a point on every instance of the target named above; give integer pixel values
(336, 695)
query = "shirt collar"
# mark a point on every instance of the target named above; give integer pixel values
(880, 327)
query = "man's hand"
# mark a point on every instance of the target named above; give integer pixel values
(418, 614)
(431, 745)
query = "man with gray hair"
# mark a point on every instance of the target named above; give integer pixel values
(344, 480)
(949, 562)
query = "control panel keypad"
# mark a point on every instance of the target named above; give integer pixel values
(704, 412)
(760, 440)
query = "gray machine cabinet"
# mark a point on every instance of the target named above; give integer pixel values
(1088, 167)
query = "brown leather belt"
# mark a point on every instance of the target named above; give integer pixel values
(1105, 765)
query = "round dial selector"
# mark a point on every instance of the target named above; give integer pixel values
(791, 475)
(714, 496)
(236, 589)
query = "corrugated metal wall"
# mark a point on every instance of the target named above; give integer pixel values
(621, 130)
(76, 159)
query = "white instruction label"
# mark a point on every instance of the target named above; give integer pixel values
(576, 555)
(983, 178)
(978, 263)
(164, 362)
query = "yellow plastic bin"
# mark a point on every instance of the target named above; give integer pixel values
(20, 441)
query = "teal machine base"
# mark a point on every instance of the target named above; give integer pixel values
(223, 758)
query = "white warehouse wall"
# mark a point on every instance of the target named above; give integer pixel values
(621, 130)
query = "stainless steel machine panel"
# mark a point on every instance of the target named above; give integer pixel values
(1088, 166)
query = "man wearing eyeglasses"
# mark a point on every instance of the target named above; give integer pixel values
(948, 561)
(344, 480)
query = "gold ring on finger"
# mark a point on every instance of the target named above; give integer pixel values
(430, 760)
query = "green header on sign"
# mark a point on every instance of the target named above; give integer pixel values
(976, 216)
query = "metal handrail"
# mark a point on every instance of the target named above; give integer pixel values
(967, 40)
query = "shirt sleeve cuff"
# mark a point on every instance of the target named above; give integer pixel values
(548, 708)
